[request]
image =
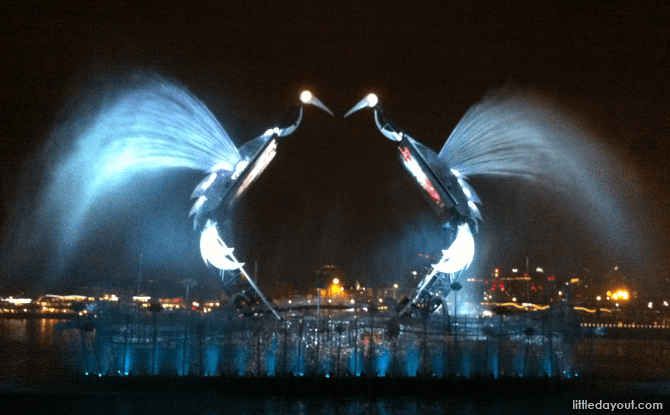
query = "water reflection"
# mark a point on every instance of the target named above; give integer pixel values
(131, 404)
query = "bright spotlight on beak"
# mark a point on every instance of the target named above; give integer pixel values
(305, 97)
(372, 100)
(369, 101)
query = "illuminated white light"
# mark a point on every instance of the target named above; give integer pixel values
(17, 300)
(414, 168)
(467, 192)
(263, 161)
(372, 100)
(305, 97)
(538, 269)
(208, 182)
(214, 251)
(459, 255)
(198, 204)
(272, 131)
(239, 168)
(487, 313)
(224, 165)
(650, 305)
(455, 173)
(515, 270)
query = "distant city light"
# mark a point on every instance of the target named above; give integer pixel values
(619, 295)
(13, 300)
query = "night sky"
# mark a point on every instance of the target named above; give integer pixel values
(336, 192)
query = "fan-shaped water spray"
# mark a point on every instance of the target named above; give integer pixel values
(148, 125)
(522, 136)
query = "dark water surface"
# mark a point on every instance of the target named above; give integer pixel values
(195, 403)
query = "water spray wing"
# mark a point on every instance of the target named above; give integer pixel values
(148, 124)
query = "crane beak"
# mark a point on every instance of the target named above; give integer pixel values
(307, 98)
(369, 101)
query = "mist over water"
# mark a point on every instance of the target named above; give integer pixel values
(522, 136)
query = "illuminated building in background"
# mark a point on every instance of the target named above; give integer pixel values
(332, 280)
(13, 305)
(516, 285)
